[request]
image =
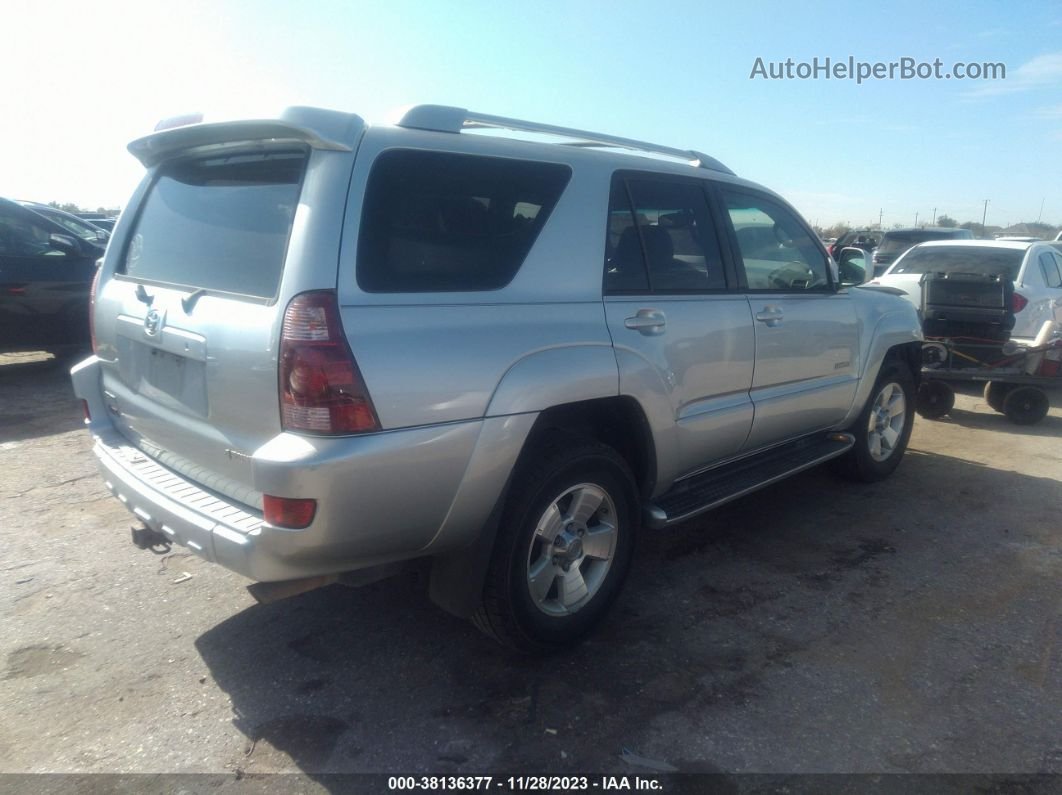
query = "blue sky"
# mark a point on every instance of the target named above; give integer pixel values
(677, 73)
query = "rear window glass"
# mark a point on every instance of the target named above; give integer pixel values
(965, 259)
(441, 222)
(895, 242)
(219, 223)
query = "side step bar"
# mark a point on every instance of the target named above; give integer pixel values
(701, 493)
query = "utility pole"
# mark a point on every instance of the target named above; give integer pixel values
(881, 212)
(916, 217)
(934, 216)
(1041, 215)
(984, 215)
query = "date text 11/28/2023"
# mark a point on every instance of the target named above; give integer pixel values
(523, 783)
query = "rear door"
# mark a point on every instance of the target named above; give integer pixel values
(188, 317)
(683, 338)
(44, 282)
(807, 334)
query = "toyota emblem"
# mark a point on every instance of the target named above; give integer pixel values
(152, 323)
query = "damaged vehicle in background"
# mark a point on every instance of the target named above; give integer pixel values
(45, 278)
(1034, 268)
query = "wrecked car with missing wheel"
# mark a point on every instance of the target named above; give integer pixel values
(325, 349)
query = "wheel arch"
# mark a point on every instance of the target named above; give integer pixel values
(457, 576)
(897, 337)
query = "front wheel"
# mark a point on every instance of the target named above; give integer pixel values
(563, 547)
(883, 428)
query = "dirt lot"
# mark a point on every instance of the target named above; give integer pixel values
(914, 625)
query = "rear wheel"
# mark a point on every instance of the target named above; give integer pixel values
(883, 428)
(935, 399)
(1026, 405)
(563, 546)
(995, 393)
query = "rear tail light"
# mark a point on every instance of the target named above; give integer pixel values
(1019, 302)
(287, 512)
(321, 388)
(92, 305)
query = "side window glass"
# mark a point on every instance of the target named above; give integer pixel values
(22, 238)
(776, 251)
(677, 236)
(624, 263)
(1049, 267)
(443, 222)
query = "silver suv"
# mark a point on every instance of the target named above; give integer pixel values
(325, 350)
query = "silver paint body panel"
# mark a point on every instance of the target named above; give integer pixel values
(186, 416)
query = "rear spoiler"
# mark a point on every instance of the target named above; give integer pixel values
(320, 129)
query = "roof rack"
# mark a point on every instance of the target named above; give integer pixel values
(443, 118)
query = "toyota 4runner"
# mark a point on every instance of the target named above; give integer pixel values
(324, 350)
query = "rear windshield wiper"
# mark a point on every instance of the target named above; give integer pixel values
(188, 302)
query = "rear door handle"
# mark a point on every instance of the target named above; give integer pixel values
(770, 315)
(647, 321)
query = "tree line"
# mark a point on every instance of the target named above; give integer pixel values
(70, 207)
(1025, 229)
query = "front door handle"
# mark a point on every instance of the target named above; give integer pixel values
(770, 315)
(647, 321)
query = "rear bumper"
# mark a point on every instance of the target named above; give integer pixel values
(220, 531)
(381, 497)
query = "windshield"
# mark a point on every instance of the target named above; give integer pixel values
(961, 259)
(856, 238)
(219, 223)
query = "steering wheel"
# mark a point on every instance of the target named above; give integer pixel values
(785, 277)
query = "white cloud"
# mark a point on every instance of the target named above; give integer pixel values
(1041, 72)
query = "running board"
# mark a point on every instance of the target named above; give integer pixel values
(701, 493)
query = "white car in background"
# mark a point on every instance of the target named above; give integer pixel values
(1035, 267)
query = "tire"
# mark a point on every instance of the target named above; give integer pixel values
(995, 393)
(883, 428)
(545, 590)
(1026, 405)
(935, 399)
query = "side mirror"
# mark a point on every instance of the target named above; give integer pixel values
(102, 235)
(852, 266)
(64, 244)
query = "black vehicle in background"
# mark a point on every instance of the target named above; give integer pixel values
(104, 223)
(102, 220)
(86, 230)
(896, 241)
(46, 275)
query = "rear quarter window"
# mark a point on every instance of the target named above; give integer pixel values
(443, 222)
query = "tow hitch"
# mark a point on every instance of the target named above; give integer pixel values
(146, 538)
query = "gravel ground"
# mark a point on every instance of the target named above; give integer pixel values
(815, 627)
